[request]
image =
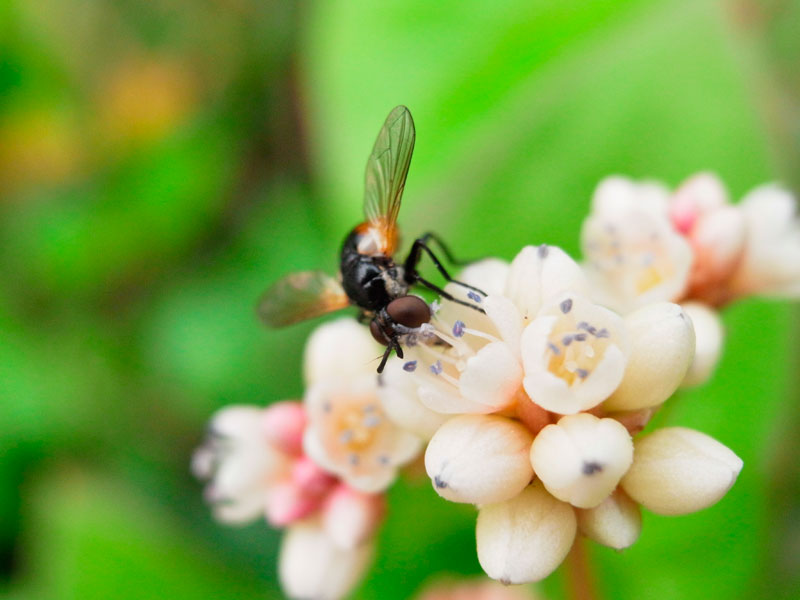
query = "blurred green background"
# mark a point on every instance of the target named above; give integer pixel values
(162, 162)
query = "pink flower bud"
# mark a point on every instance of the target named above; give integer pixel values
(310, 478)
(350, 517)
(283, 423)
(286, 503)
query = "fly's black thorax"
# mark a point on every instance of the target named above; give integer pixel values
(371, 282)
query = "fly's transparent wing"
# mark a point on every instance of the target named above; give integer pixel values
(387, 169)
(300, 296)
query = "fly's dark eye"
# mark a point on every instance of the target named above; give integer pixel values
(410, 311)
(377, 332)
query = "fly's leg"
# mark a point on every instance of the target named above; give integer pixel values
(446, 295)
(412, 275)
(393, 345)
(430, 236)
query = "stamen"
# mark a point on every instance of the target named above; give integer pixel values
(566, 305)
(439, 355)
(372, 421)
(383, 459)
(603, 333)
(410, 366)
(582, 373)
(566, 340)
(436, 368)
(591, 467)
(353, 459)
(458, 329)
(580, 337)
(480, 334)
(461, 346)
(543, 251)
(346, 436)
(553, 348)
(474, 297)
(582, 325)
(449, 379)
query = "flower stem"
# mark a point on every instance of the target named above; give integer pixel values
(580, 582)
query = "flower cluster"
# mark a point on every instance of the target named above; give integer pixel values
(546, 390)
(644, 244)
(317, 468)
(528, 400)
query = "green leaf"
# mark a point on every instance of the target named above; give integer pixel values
(93, 536)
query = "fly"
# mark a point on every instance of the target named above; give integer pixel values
(369, 277)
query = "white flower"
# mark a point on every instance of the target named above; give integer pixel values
(348, 432)
(693, 246)
(700, 210)
(574, 354)
(312, 565)
(677, 471)
(479, 459)
(241, 464)
(477, 365)
(633, 254)
(662, 343)
(399, 400)
(350, 517)
(616, 522)
(524, 539)
(770, 265)
(709, 336)
(547, 344)
(581, 459)
(480, 360)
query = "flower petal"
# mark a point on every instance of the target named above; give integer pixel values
(445, 399)
(283, 424)
(581, 459)
(677, 471)
(491, 377)
(488, 275)
(573, 355)
(524, 539)
(311, 565)
(709, 335)
(661, 348)
(699, 195)
(539, 273)
(479, 459)
(634, 256)
(340, 349)
(616, 522)
(350, 517)
(399, 399)
(506, 319)
(770, 264)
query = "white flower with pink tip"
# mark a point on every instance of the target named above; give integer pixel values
(693, 246)
(349, 434)
(316, 468)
